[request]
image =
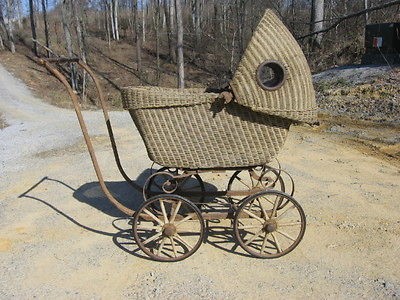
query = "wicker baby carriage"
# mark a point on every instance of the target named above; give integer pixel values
(190, 132)
(191, 129)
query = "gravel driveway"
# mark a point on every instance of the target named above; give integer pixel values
(59, 237)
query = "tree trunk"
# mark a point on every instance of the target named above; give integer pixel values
(169, 25)
(157, 33)
(46, 26)
(366, 6)
(179, 45)
(241, 14)
(107, 23)
(317, 21)
(137, 37)
(111, 16)
(65, 11)
(81, 42)
(19, 13)
(115, 17)
(33, 27)
(143, 5)
(197, 22)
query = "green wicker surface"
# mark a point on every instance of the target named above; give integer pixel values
(296, 98)
(190, 129)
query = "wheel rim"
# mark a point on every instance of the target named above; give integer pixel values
(269, 178)
(172, 233)
(265, 229)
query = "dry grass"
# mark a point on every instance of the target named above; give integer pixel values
(115, 67)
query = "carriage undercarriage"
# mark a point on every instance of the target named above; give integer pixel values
(266, 221)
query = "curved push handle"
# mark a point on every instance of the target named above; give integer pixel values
(47, 64)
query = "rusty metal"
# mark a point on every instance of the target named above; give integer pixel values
(86, 136)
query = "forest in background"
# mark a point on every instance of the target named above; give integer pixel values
(168, 36)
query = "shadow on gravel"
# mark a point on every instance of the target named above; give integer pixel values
(121, 238)
(216, 234)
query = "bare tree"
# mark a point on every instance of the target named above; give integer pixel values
(114, 10)
(137, 36)
(168, 7)
(33, 27)
(197, 21)
(179, 45)
(8, 26)
(65, 16)
(46, 25)
(317, 21)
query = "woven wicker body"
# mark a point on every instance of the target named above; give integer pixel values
(190, 129)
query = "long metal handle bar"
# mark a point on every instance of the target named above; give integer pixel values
(86, 136)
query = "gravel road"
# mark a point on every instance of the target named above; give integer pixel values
(59, 237)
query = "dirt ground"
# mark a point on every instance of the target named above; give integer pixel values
(60, 238)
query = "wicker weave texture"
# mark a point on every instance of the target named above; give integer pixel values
(204, 135)
(295, 99)
(140, 97)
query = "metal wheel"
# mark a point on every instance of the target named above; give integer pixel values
(172, 233)
(163, 182)
(256, 179)
(264, 230)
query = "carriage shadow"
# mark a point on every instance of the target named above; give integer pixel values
(216, 235)
(92, 194)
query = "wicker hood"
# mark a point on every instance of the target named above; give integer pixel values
(293, 96)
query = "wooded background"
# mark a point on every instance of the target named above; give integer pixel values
(209, 34)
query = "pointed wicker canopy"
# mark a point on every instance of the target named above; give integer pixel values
(293, 96)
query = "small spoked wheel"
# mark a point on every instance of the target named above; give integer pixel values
(267, 229)
(256, 180)
(171, 233)
(163, 182)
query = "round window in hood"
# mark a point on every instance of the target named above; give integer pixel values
(271, 75)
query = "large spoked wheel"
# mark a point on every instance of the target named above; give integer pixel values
(171, 233)
(266, 230)
(163, 182)
(255, 180)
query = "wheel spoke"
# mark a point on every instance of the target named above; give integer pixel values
(248, 226)
(152, 238)
(285, 211)
(187, 218)
(254, 237)
(263, 210)
(147, 212)
(173, 246)
(253, 215)
(289, 224)
(278, 247)
(163, 211)
(241, 181)
(286, 235)
(264, 243)
(143, 227)
(176, 209)
(275, 208)
(180, 239)
(161, 247)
